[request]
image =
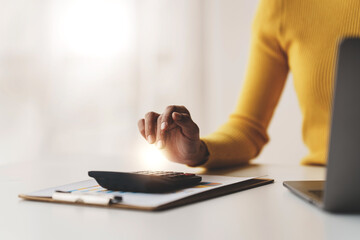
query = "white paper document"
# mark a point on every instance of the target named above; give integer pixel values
(144, 199)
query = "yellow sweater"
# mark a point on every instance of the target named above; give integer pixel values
(300, 36)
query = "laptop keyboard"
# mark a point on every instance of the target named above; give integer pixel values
(318, 193)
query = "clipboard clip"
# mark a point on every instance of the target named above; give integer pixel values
(87, 198)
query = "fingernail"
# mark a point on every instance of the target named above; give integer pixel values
(163, 126)
(159, 144)
(178, 116)
(150, 139)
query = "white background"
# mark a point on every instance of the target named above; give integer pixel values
(76, 75)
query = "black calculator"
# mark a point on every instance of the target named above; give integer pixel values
(145, 181)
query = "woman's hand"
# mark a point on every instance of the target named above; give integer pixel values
(176, 134)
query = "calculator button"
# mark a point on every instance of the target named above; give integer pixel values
(172, 176)
(180, 176)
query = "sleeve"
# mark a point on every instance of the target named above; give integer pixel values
(243, 136)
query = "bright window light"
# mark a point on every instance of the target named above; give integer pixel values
(94, 27)
(152, 158)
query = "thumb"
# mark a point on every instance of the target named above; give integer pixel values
(188, 127)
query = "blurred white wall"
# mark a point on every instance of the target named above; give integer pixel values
(227, 41)
(76, 75)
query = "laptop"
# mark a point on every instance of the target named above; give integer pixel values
(341, 190)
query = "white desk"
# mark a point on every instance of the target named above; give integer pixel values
(268, 212)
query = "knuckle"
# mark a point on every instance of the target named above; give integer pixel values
(147, 115)
(150, 115)
(183, 109)
(186, 110)
(170, 108)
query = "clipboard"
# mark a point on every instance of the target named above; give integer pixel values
(148, 202)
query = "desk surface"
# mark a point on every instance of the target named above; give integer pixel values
(268, 212)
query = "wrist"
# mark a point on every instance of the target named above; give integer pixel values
(203, 155)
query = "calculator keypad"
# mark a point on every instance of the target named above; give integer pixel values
(166, 174)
